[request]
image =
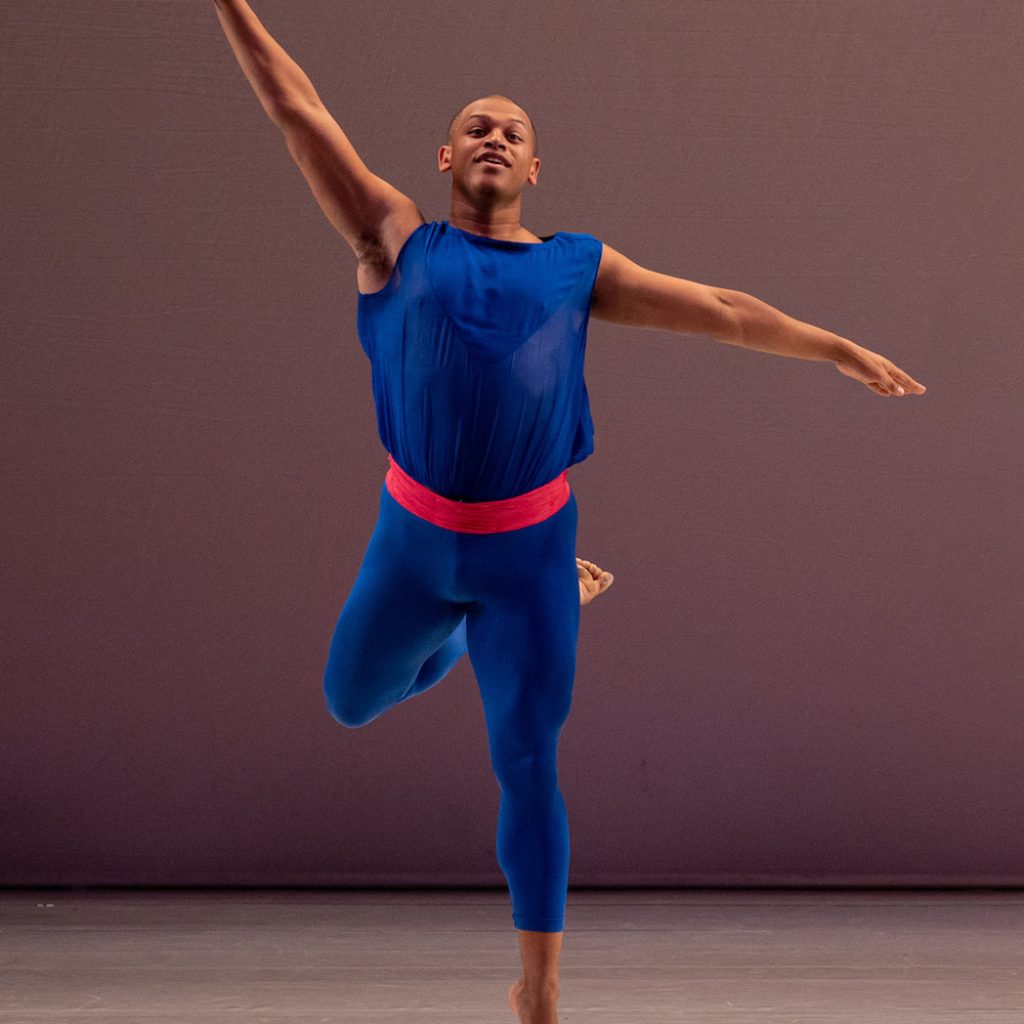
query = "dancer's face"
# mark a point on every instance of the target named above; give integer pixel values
(491, 128)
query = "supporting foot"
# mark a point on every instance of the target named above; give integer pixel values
(532, 1007)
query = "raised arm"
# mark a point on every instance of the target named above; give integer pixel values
(355, 200)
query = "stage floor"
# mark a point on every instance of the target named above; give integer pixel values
(270, 956)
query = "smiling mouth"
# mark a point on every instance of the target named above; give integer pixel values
(496, 163)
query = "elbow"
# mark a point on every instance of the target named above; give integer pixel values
(731, 315)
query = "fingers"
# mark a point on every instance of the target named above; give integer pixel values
(898, 385)
(910, 384)
(905, 386)
(902, 383)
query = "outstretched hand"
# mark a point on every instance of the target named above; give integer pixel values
(877, 372)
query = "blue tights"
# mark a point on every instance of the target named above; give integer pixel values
(424, 596)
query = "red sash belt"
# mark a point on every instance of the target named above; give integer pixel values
(477, 516)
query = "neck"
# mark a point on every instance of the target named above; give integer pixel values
(495, 223)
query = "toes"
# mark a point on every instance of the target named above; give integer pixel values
(596, 572)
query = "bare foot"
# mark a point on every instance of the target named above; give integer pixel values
(593, 580)
(532, 1008)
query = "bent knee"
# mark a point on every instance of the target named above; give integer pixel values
(346, 711)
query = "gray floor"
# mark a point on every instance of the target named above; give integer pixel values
(716, 957)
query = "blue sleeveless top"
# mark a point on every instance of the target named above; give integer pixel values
(476, 347)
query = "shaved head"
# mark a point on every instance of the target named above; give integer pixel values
(453, 124)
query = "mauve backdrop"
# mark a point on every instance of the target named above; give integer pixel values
(809, 669)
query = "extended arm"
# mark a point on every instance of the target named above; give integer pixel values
(278, 81)
(358, 203)
(626, 293)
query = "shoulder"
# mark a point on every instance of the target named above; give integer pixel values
(612, 267)
(588, 247)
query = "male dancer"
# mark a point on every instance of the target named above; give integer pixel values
(475, 329)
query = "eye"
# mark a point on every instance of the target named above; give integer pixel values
(479, 129)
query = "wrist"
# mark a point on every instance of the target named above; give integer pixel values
(843, 349)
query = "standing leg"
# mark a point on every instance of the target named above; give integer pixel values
(522, 633)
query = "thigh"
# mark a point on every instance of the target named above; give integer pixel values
(397, 614)
(522, 634)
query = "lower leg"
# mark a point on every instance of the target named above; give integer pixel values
(534, 997)
(440, 663)
(540, 952)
